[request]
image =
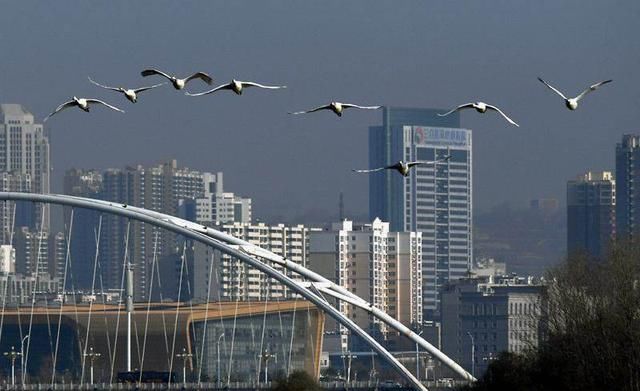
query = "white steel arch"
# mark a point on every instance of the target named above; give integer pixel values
(320, 283)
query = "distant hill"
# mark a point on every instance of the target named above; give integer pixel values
(529, 240)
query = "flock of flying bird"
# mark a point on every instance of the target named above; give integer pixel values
(337, 108)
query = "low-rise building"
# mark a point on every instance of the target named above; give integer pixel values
(484, 316)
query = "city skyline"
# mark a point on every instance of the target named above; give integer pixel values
(503, 83)
(393, 220)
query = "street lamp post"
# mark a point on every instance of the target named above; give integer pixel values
(266, 356)
(22, 368)
(473, 355)
(184, 356)
(218, 366)
(12, 355)
(92, 356)
(418, 358)
(348, 356)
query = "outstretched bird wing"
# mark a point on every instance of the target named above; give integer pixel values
(374, 169)
(552, 88)
(418, 162)
(103, 86)
(350, 105)
(141, 89)
(252, 84)
(105, 104)
(325, 107)
(464, 106)
(592, 88)
(512, 122)
(60, 108)
(227, 86)
(149, 72)
(202, 76)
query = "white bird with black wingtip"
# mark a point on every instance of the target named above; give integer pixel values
(572, 103)
(129, 93)
(178, 83)
(480, 107)
(236, 86)
(81, 103)
(404, 168)
(338, 108)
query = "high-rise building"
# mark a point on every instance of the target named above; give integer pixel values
(41, 251)
(16, 214)
(83, 183)
(165, 188)
(627, 187)
(7, 259)
(24, 166)
(234, 280)
(159, 189)
(591, 202)
(216, 206)
(435, 200)
(380, 266)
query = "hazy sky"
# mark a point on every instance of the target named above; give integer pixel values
(400, 53)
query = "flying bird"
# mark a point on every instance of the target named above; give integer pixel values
(178, 84)
(572, 103)
(337, 107)
(82, 103)
(129, 93)
(236, 86)
(405, 167)
(480, 107)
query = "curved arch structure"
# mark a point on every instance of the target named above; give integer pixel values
(247, 253)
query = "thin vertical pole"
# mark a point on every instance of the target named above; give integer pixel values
(129, 311)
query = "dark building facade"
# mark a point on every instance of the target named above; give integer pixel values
(627, 186)
(591, 220)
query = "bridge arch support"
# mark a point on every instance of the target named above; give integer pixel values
(251, 255)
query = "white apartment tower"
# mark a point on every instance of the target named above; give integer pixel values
(233, 280)
(380, 266)
(24, 166)
(219, 207)
(7, 259)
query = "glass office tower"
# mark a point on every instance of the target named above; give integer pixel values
(434, 199)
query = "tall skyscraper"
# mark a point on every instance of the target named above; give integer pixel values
(435, 200)
(24, 166)
(627, 187)
(83, 183)
(160, 189)
(165, 188)
(381, 266)
(591, 202)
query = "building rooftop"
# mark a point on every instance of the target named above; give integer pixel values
(13, 110)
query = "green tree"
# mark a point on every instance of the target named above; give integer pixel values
(591, 341)
(297, 381)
